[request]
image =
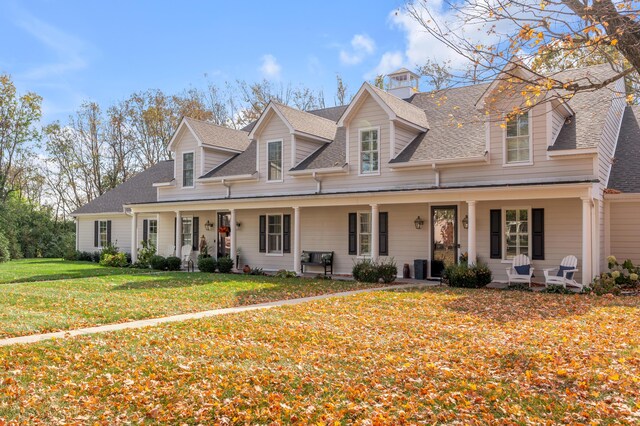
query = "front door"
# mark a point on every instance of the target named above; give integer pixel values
(444, 238)
(224, 241)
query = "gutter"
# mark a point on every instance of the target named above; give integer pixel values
(235, 178)
(323, 171)
(572, 152)
(164, 184)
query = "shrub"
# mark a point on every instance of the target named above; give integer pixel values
(117, 260)
(387, 270)
(557, 289)
(225, 264)
(283, 273)
(5, 255)
(173, 263)
(144, 254)
(95, 257)
(605, 284)
(109, 248)
(85, 256)
(206, 264)
(72, 255)
(461, 275)
(158, 262)
(365, 270)
(256, 271)
(620, 276)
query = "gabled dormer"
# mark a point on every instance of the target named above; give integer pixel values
(198, 147)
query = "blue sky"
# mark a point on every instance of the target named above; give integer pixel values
(102, 51)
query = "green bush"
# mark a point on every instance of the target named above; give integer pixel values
(387, 270)
(158, 262)
(117, 260)
(109, 248)
(84, 256)
(605, 284)
(365, 270)
(225, 264)
(283, 273)
(461, 275)
(72, 255)
(95, 256)
(5, 255)
(173, 263)
(144, 254)
(207, 264)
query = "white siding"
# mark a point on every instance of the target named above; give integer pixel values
(557, 121)
(120, 231)
(305, 148)
(625, 231)
(404, 136)
(213, 158)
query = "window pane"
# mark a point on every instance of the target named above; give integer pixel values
(187, 237)
(523, 125)
(274, 234)
(187, 169)
(275, 160)
(369, 151)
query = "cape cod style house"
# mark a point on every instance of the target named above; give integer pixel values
(396, 173)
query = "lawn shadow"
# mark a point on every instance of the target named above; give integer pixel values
(73, 270)
(508, 306)
(169, 281)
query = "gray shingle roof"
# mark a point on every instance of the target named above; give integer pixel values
(308, 123)
(240, 164)
(403, 109)
(138, 189)
(223, 137)
(625, 172)
(591, 108)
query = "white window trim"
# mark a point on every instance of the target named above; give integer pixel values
(106, 231)
(281, 253)
(504, 145)
(504, 235)
(281, 161)
(364, 129)
(149, 231)
(182, 220)
(360, 254)
(194, 170)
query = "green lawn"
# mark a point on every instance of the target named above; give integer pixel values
(42, 295)
(437, 356)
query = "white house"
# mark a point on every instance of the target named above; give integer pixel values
(396, 173)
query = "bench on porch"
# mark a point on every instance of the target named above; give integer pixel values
(317, 258)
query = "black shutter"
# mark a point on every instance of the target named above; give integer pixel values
(496, 234)
(383, 239)
(196, 233)
(95, 233)
(286, 233)
(175, 229)
(263, 234)
(109, 232)
(537, 231)
(145, 231)
(353, 233)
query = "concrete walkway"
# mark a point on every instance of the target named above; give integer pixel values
(195, 315)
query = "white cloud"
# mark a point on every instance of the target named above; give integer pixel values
(361, 46)
(270, 67)
(389, 62)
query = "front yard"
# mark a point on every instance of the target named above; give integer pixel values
(42, 295)
(394, 357)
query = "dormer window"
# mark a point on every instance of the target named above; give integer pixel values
(369, 151)
(187, 169)
(274, 161)
(518, 140)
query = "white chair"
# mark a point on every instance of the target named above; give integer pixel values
(519, 273)
(186, 255)
(564, 273)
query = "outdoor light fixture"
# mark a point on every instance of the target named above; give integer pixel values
(208, 226)
(418, 222)
(465, 222)
(238, 224)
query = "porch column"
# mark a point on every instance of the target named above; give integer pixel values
(375, 232)
(586, 240)
(134, 237)
(472, 233)
(179, 234)
(232, 235)
(296, 240)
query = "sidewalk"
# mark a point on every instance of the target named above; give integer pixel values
(194, 315)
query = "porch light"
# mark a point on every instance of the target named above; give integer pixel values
(418, 222)
(238, 224)
(465, 222)
(208, 226)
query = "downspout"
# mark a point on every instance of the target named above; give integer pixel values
(228, 186)
(318, 182)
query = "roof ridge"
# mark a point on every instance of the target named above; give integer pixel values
(214, 124)
(304, 112)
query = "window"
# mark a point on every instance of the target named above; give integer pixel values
(364, 234)
(274, 234)
(152, 232)
(516, 232)
(187, 169)
(102, 233)
(517, 139)
(187, 231)
(369, 151)
(274, 159)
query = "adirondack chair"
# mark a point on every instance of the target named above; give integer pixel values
(521, 270)
(186, 256)
(564, 273)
